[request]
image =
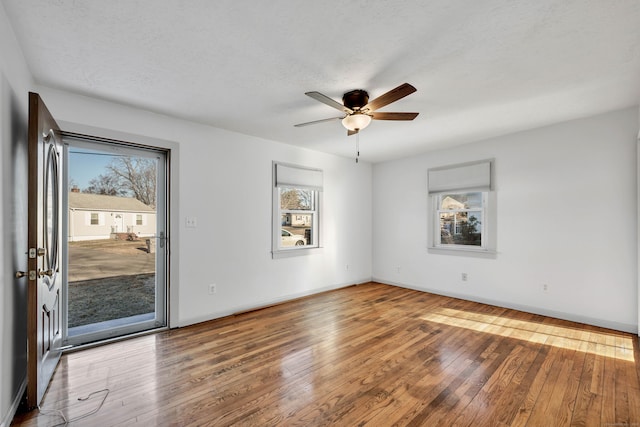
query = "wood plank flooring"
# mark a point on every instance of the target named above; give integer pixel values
(371, 354)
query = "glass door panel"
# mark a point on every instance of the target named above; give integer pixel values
(115, 246)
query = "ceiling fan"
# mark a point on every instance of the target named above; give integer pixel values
(360, 111)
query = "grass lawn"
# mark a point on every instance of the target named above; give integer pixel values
(98, 300)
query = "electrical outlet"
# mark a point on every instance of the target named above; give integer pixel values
(191, 222)
(464, 277)
(212, 289)
(545, 288)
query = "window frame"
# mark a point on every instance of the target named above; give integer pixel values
(470, 177)
(97, 218)
(277, 250)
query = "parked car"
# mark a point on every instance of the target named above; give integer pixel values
(290, 239)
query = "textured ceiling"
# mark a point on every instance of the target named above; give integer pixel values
(482, 68)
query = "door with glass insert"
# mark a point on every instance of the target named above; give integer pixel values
(116, 239)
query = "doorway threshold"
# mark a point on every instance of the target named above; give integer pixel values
(109, 324)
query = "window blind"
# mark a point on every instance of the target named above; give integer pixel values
(463, 177)
(291, 176)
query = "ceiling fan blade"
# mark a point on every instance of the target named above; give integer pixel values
(329, 101)
(351, 132)
(318, 121)
(391, 96)
(394, 116)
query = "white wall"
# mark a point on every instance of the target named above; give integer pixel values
(566, 199)
(566, 216)
(223, 179)
(225, 182)
(15, 82)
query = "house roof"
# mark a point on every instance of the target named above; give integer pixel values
(451, 203)
(482, 68)
(101, 202)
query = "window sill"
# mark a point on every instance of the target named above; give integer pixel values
(290, 253)
(460, 251)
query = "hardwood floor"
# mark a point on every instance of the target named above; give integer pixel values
(365, 355)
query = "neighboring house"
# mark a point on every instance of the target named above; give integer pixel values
(449, 222)
(95, 216)
(296, 220)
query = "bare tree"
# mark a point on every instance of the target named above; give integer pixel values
(296, 198)
(289, 199)
(127, 176)
(106, 184)
(136, 176)
(306, 198)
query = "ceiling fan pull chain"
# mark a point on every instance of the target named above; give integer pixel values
(357, 146)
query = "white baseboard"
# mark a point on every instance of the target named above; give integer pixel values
(265, 303)
(602, 323)
(6, 421)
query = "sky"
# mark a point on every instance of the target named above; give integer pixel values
(85, 165)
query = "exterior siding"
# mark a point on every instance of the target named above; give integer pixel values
(109, 222)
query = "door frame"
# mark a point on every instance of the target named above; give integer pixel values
(173, 183)
(161, 321)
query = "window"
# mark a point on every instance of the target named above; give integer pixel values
(462, 201)
(138, 219)
(296, 200)
(298, 215)
(95, 220)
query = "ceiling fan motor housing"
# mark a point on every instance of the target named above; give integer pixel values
(356, 99)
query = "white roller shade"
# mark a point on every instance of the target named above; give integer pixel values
(291, 176)
(464, 177)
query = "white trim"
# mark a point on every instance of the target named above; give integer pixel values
(173, 179)
(463, 251)
(624, 327)
(268, 302)
(293, 252)
(6, 422)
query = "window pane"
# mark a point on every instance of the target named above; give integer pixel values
(94, 219)
(296, 230)
(461, 228)
(298, 218)
(461, 201)
(297, 199)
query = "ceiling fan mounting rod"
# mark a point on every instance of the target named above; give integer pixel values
(355, 99)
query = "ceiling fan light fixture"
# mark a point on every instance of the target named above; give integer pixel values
(356, 121)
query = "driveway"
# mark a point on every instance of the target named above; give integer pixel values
(98, 259)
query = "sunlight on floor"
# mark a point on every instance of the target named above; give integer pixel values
(598, 343)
